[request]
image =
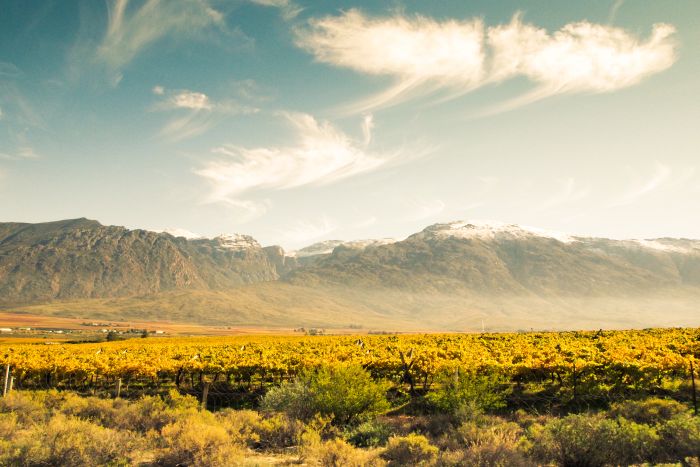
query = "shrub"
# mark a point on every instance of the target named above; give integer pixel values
(371, 433)
(468, 394)
(279, 431)
(197, 441)
(338, 453)
(25, 405)
(680, 438)
(242, 426)
(410, 450)
(591, 440)
(8, 425)
(649, 411)
(68, 441)
(346, 393)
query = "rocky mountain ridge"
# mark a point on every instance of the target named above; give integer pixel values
(464, 263)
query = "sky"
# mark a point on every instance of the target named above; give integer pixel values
(299, 121)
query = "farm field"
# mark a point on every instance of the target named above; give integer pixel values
(372, 399)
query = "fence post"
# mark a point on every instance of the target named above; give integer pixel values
(695, 395)
(6, 383)
(12, 383)
(119, 388)
(205, 395)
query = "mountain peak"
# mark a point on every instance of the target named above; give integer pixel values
(236, 241)
(486, 229)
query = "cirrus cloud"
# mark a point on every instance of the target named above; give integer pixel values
(197, 112)
(425, 56)
(321, 155)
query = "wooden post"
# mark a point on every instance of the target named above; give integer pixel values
(695, 395)
(205, 395)
(12, 383)
(6, 383)
(119, 388)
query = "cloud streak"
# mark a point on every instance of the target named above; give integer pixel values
(304, 231)
(322, 155)
(196, 112)
(659, 177)
(131, 30)
(425, 57)
(570, 192)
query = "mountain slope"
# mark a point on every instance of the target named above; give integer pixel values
(81, 258)
(456, 276)
(510, 260)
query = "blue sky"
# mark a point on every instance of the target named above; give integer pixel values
(296, 122)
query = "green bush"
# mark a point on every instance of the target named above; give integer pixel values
(371, 433)
(592, 440)
(649, 411)
(410, 450)
(680, 438)
(346, 393)
(465, 395)
(488, 441)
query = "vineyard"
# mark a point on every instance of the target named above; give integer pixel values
(552, 368)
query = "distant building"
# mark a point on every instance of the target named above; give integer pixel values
(5, 329)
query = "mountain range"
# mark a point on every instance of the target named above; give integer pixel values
(463, 275)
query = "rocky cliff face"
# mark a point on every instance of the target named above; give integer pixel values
(81, 258)
(510, 260)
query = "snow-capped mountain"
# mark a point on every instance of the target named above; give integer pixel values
(327, 247)
(235, 241)
(445, 274)
(492, 229)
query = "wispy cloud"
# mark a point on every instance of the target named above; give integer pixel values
(184, 100)
(305, 231)
(367, 127)
(322, 154)
(420, 209)
(641, 188)
(367, 222)
(617, 4)
(196, 112)
(453, 57)
(288, 8)
(569, 192)
(131, 29)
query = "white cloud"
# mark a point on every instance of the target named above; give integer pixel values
(454, 57)
(419, 52)
(614, 9)
(369, 221)
(289, 9)
(323, 154)
(425, 209)
(367, 127)
(179, 232)
(580, 57)
(660, 176)
(130, 30)
(200, 112)
(26, 152)
(190, 100)
(304, 231)
(569, 192)
(187, 126)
